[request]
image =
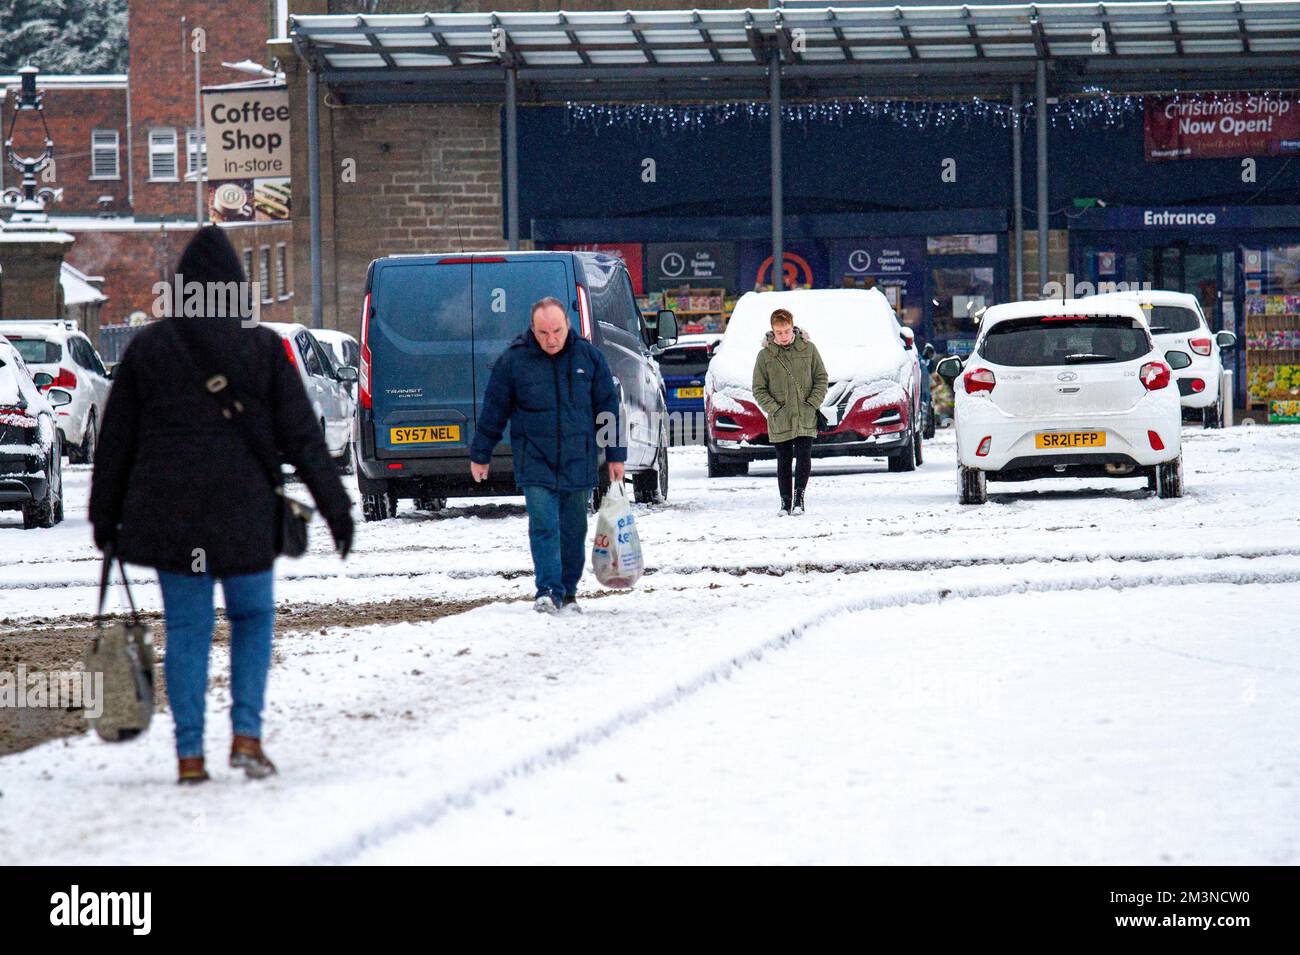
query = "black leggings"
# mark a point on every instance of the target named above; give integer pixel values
(799, 452)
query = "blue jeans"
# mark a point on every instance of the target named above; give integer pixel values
(189, 615)
(557, 535)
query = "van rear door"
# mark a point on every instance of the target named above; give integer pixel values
(505, 288)
(422, 354)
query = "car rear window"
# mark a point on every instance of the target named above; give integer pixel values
(1065, 340)
(692, 361)
(37, 351)
(1173, 318)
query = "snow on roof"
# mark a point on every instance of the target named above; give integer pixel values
(77, 289)
(70, 81)
(1154, 297)
(1092, 305)
(855, 330)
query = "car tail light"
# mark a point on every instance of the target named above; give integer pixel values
(363, 373)
(584, 313)
(1156, 443)
(288, 350)
(394, 465)
(981, 379)
(1154, 375)
(1200, 345)
(1198, 385)
(65, 379)
(983, 450)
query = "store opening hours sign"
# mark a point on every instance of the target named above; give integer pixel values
(1225, 126)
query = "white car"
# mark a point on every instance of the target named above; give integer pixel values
(343, 347)
(31, 457)
(57, 349)
(1073, 388)
(873, 398)
(327, 387)
(1177, 323)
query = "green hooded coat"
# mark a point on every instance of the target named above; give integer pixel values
(789, 385)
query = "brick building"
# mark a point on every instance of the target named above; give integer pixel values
(126, 156)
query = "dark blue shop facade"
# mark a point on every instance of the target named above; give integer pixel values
(924, 211)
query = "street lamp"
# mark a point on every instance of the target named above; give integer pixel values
(28, 201)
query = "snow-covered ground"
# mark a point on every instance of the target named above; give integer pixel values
(1075, 672)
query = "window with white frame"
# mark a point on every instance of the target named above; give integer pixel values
(162, 154)
(282, 269)
(196, 153)
(266, 274)
(104, 154)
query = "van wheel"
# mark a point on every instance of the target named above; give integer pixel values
(904, 459)
(651, 487)
(374, 507)
(1170, 478)
(972, 485)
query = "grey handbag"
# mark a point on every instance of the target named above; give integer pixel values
(121, 656)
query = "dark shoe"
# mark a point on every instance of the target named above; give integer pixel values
(798, 503)
(570, 605)
(785, 508)
(545, 603)
(191, 771)
(246, 754)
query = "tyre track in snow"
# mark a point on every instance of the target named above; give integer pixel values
(768, 568)
(559, 752)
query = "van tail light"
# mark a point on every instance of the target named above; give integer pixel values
(363, 372)
(584, 313)
(1154, 375)
(288, 350)
(1198, 385)
(1156, 443)
(981, 379)
(1200, 345)
(983, 450)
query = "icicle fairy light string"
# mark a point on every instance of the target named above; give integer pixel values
(1092, 108)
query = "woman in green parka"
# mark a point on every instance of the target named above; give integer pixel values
(789, 385)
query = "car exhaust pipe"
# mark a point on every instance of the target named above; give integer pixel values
(1117, 468)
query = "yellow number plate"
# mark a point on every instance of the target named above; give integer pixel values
(425, 434)
(690, 392)
(1070, 439)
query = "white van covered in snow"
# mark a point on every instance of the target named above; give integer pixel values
(873, 400)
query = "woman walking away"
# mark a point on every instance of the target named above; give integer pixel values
(789, 385)
(183, 488)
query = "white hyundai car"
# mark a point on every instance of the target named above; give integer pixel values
(1072, 388)
(1177, 323)
(60, 356)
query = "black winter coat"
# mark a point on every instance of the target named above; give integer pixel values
(174, 478)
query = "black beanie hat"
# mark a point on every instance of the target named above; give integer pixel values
(210, 257)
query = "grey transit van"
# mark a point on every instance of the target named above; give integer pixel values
(431, 328)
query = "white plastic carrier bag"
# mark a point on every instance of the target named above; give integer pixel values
(616, 549)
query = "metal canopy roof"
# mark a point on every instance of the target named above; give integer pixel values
(725, 53)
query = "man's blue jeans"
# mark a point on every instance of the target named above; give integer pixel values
(557, 534)
(187, 608)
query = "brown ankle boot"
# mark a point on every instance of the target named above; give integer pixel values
(192, 771)
(246, 754)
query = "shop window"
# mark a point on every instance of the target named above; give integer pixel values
(1272, 346)
(980, 244)
(959, 294)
